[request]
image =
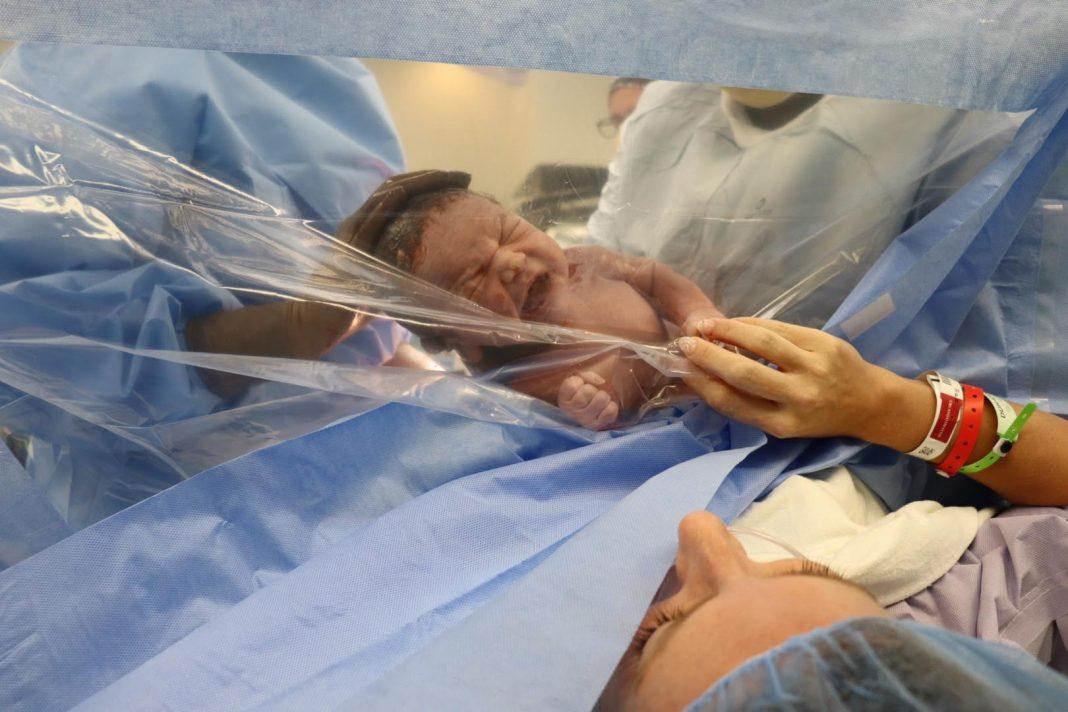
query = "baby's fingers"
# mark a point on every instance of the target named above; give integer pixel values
(597, 403)
(569, 388)
(606, 417)
(581, 399)
(591, 377)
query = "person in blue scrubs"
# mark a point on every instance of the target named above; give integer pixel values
(310, 138)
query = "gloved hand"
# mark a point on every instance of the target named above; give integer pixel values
(285, 329)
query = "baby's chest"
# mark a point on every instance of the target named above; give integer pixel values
(613, 307)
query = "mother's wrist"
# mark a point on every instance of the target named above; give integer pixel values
(900, 411)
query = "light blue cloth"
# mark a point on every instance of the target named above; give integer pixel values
(325, 551)
(309, 136)
(997, 54)
(882, 664)
(301, 137)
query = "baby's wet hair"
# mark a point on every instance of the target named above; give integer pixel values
(401, 242)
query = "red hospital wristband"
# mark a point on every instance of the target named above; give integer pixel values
(968, 435)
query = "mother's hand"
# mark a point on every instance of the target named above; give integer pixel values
(821, 386)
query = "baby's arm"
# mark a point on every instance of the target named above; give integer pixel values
(676, 298)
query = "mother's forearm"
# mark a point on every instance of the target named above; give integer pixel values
(1035, 471)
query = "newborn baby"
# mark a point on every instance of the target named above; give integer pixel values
(469, 245)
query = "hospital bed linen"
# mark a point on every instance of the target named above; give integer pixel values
(833, 518)
(1011, 586)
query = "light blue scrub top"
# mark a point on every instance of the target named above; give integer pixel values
(782, 221)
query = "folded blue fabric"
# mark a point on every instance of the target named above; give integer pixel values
(998, 54)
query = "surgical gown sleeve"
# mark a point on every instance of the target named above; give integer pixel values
(645, 144)
(99, 420)
(781, 221)
(310, 136)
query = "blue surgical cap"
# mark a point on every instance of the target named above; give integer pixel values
(883, 664)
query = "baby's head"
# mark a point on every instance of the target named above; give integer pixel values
(430, 225)
(469, 245)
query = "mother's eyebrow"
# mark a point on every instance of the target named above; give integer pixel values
(821, 571)
(827, 573)
(675, 625)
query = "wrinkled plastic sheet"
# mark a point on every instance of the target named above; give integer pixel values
(998, 54)
(960, 256)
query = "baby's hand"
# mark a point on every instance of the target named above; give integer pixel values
(585, 402)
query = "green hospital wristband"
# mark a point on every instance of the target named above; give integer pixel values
(1005, 442)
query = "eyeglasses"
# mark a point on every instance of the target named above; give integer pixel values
(609, 126)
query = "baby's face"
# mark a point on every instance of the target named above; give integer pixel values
(478, 250)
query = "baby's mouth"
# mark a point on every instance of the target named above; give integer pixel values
(537, 295)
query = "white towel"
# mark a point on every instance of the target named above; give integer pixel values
(833, 518)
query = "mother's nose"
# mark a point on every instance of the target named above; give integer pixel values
(701, 526)
(707, 549)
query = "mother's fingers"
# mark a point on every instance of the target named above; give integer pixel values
(802, 336)
(743, 373)
(760, 340)
(730, 402)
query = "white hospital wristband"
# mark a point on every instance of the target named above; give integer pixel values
(949, 401)
(1004, 412)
